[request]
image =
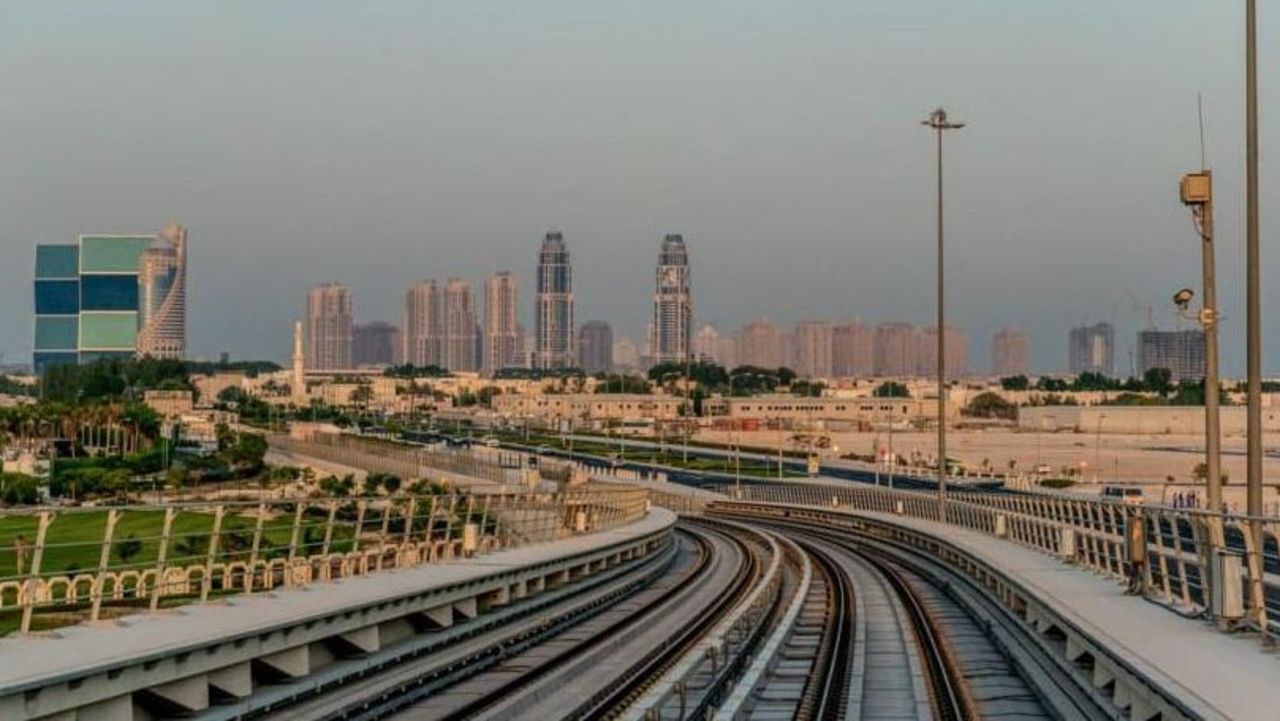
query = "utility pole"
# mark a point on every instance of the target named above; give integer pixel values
(1196, 191)
(937, 121)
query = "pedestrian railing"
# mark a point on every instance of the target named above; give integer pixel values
(63, 565)
(1168, 554)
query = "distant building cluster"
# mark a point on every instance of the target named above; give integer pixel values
(125, 296)
(820, 349)
(111, 296)
(444, 326)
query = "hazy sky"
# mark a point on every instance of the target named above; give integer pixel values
(378, 143)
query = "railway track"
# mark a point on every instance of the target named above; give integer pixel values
(914, 654)
(585, 657)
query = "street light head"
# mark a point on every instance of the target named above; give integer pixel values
(1182, 298)
(938, 121)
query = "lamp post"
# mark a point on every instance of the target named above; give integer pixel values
(1253, 316)
(938, 122)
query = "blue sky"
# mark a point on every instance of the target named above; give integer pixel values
(378, 144)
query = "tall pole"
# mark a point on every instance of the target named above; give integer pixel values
(938, 122)
(1253, 308)
(1197, 192)
(1253, 262)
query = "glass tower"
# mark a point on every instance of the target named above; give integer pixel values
(554, 327)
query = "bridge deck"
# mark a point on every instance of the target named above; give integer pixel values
(1231, 674)
(76, 650)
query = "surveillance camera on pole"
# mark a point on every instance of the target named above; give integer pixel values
(1196, 192)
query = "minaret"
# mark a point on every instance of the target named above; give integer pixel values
(299, 385)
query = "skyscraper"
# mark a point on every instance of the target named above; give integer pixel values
(672, 303)
(626, 356)
(1093, 349)
(422, 320)
(1009, 352)
(501, 323)
(376, 344)
(162, 286)
(852, 350)
(1181, 352)
(595, 347)
(813, 341)
(704, 343)
(89, 299)
(927, 352)
(459, 326)
(553, 346)
(895, 349)
(760, 345)
(329, 327)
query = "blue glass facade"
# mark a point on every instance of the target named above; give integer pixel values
(43, 359)
(109, 292)
(57, 332)
(57, 261)
(86, 299)
(57, 297)
(94, 356)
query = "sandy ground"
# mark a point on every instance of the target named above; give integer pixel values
(1148, 459)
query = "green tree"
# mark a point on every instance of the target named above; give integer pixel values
(990, 405)
(485, 395)
(391, 484)
(891, 389)
(1158, 380)
(1015, 383)
(1053, 385)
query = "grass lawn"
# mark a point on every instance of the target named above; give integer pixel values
(74, 539)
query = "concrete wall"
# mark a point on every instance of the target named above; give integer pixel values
(1138, 420)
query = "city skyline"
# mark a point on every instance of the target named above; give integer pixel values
(274, 215)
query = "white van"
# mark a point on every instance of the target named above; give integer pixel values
(1130, 495)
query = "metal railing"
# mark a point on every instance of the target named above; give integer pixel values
(63, 565)
(1170, 565)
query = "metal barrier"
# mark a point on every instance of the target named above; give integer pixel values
(409, 461)
(75, 561)
(1170, 561)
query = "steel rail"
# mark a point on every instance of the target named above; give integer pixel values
(607, 703)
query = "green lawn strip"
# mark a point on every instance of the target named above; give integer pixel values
(74, 539)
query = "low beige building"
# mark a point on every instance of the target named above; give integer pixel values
(589, 406)
(862, 412)
(169, 404)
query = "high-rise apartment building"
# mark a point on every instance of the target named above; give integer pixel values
(376, 344)
(1093, 349)
(813, 349)
(703, 344)
(1179, 351)
(1009, 352)
(553, 347)
(329, 325)
(595, 347)
(760, 344)
(895, 349)
(626, 356)
(162, 285)
(422, 329)
(852, 350)
(672, 304)
(502, 343)
(89, 299)
(459, 325)
(927, 352)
